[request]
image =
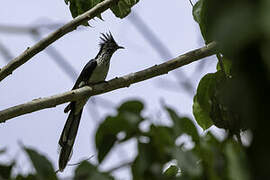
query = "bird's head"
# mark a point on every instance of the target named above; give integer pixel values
(108, 43)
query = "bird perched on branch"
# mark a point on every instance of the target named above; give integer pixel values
(94, 72)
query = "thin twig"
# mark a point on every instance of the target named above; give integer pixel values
(78, 163)
(23, 29)
(63, 64)
(221, 64)
(45, 42)
(5, 52)
(190, 1)
(116, 83)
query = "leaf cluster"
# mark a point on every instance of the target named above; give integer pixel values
(120, 9)
(157, 148)
(241, 29)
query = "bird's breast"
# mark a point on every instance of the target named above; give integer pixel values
(100, 73)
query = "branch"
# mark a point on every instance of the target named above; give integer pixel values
(17, 29)
(5, 52)
(72, 25)
(190, 1)
(159, 47)
(116, 83)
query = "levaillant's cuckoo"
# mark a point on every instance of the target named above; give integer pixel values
(95, 71)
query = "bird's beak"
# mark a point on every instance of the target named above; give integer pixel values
(120, 47)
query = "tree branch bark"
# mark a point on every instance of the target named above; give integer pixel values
(116, 83)
(42, 44)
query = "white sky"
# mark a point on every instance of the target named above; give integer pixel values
(171, 21)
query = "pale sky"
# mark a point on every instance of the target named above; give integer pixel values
(171, 21)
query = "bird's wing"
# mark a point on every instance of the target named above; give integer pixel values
(86, 73)
(83, 78)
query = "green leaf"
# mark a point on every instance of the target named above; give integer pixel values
(202, 102)
(201, 116)
(84, 170)
(87, 171)
(123, 7)
(127, 120)
(210, 104)
(210, 152)
(121, 10)
(5, 171)
(153, 154)
(237, 164)
(133, 106)
(78, 7)
(162, 138)
(130, 114)
(172, 171)
(106, 136)
(142, 161)
(42, 165)
(28, 177)
(188, 162)
(205, 90)
(148, 163)
(227, 66)
(183, 125)
(199, 15)
(196, 11)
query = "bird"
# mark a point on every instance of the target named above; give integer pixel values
(94, 72)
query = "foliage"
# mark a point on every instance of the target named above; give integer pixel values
(156, 147)
(121, 9)
(126, 121)
(89, 172)
(241, 28)
(42, 165)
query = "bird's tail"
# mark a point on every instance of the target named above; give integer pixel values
(68, 136)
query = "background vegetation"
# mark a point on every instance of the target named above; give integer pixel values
(234, 98)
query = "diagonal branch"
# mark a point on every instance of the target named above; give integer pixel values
(159, 47)
(113, 84)
(16, 29)
(70, 26)
(5, 52)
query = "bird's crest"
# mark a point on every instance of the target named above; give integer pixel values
(106, 39)
(108, 44)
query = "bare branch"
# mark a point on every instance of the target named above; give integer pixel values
(111, 85)
(57, 57)
(159, 47)
(22, 29)
(190, 1)
(70, 26)
(5, 52)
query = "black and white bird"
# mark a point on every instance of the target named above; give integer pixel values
(95, 71)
